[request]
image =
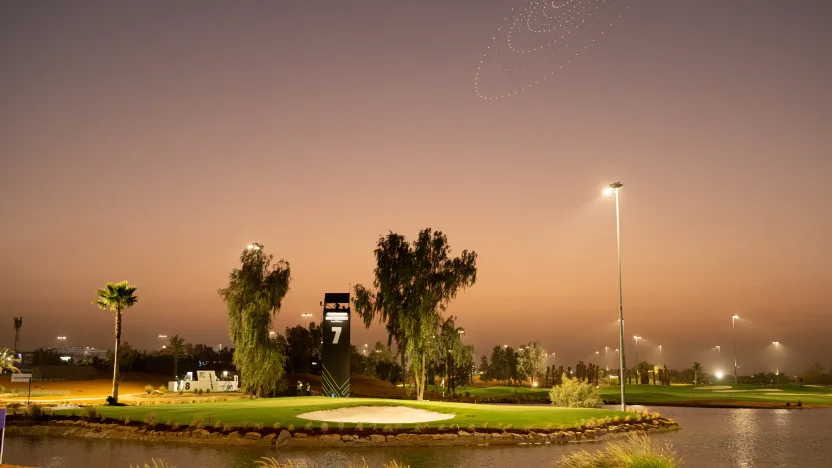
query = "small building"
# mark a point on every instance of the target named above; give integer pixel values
(207, 381)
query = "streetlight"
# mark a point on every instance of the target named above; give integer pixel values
(305, 319)
(777, 347)
(613, 188)
(660, 354)
(734, 336)
(719, 350)
(272, 333)
(253, 247)
(638, 368)
(365, 349)
(163, 337)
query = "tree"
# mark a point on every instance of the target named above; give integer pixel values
(116, 297)
(18, 323)
(412, 288)
(177, 347)
(573, 393)
(532, 360)
(643, 372)
(127, 356)
(303, 347)
(697, 372)
(8, 361)
(451, 354)
(253, 296)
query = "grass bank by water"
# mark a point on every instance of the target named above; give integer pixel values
(286, 410)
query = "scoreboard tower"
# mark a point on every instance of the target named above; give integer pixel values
(335, 378)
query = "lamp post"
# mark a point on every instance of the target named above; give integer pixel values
(777, 374)
(638, 368)
(734, 336)
(306, 319)
(613, 188)
(660, 355)
(719, 349)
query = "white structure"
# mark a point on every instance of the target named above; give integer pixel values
(206, 381)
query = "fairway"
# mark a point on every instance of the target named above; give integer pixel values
(721, 395)
(684, 395)
(246, 413)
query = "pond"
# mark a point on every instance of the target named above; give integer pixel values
(711, 438)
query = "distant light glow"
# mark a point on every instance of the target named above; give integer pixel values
(719, 375)
(608, 191)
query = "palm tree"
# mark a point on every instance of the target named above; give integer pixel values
(697, 371)
(176, 347)
(18, 323)
(116, 297)
(8, 361)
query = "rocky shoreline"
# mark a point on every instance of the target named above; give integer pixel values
(333, 438)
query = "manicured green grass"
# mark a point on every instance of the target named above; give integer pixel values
(688, 394)
(681, 394)
(285, 411)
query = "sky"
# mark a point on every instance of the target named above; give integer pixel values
(152, 141)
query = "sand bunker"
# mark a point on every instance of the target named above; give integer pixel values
(715, 387)
(377, 415)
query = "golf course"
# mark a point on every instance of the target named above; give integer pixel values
(288, 411)
(734, 395)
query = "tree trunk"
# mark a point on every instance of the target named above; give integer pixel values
(175, 365)
(115, 355)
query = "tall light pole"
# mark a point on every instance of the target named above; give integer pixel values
(776, 348)
(719, 349)
(638, 368)
(734, 336)
(660, 355)
(306, 319)
(613, 188)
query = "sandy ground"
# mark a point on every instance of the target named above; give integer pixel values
(715, 387)
(753, 390)
(85, 390)
(377, 415)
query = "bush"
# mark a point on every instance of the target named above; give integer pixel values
(575, 394)
(324, 427)
(199, 392)
(148, 389)
(162, 389)
(633, 452)
(89, 412)
(150, 419)
(34, 411)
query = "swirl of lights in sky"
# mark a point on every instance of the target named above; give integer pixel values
(540, 39)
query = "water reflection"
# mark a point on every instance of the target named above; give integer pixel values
(710, 438)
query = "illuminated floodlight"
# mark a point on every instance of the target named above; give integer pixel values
(719, 375)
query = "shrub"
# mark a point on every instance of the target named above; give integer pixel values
(89, 412)
(199, 392)
(291, 427)
(324, 427)
(197, 422)
(308, 426)
(176, 426)
(207, 390)
(218, 424)
(575, 394)
(359, 427)
(258, 427)
(150, 419)
(485, 425)
(34, 411)
(633, 451)
(441, 427)
(226, 428)
(471, 428)
(799, 403)
(340, 426)
(148, 389)
(162, 389)
(169, 423)
(276, 425)
(126, 421)
(467, 394)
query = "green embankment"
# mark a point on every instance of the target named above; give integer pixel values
(285, 411)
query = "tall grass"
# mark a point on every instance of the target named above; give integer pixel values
(635, 451)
